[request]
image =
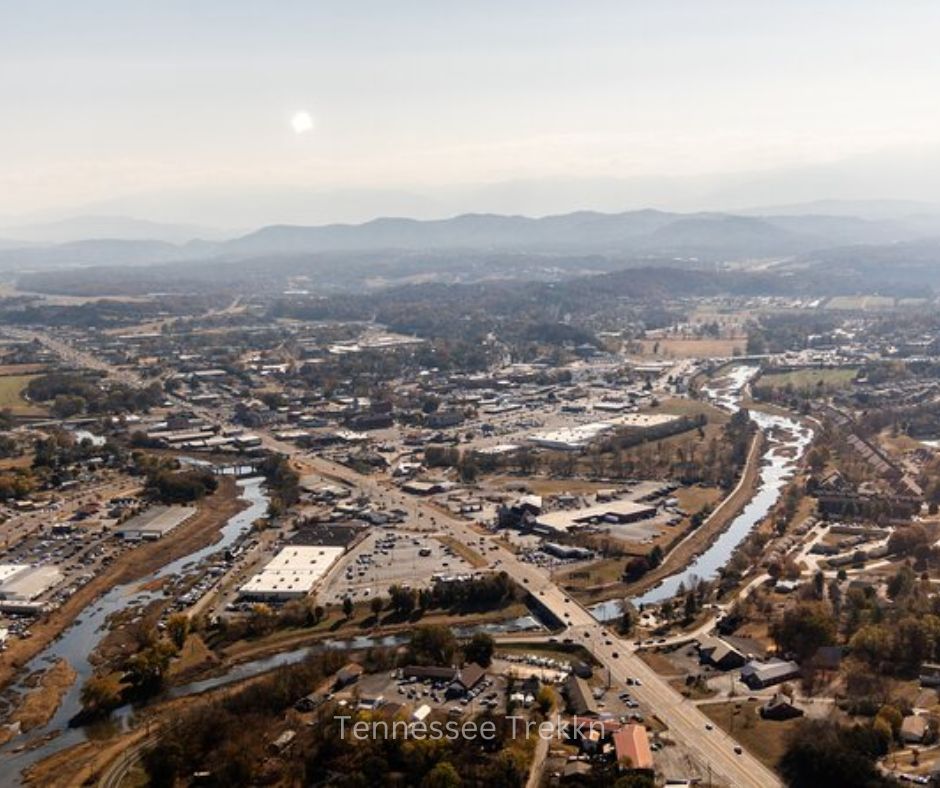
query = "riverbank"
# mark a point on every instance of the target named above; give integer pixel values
(200, 531)
(694, 543)
(290, 639)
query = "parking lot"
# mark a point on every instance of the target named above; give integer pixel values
(389, 557)
(391, 687)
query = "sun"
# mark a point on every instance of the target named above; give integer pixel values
(302, 122)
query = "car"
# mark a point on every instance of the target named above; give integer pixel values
(709, 726)
(608, 643)
(738, 750)
(615, 655)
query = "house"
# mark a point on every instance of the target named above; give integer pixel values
(370, 702)
(580, 700)
(914, 729)
(632, 747)
(780, 707)
(283, 742)
(930, 674)
(348, 674)
(468, 678)
(433, 672)
(310, 702)
(758, 675)
(719, 654)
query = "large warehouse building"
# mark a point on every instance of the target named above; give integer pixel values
(22, 584)
(610, 512)
(156, 522)
(292, 573)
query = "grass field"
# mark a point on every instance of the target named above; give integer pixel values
(766, 740)
(691, 407)
(11, 396)
(838, 377)
(692, 348)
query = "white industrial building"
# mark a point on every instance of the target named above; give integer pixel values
(611, 512)
(578, 437)
(21, 584)
(293, 572)
(156, 522)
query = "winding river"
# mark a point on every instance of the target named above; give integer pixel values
(785, 441)
(79, 640)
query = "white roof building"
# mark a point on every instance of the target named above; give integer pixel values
(293, 572)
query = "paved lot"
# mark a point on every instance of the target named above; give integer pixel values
(388, 557)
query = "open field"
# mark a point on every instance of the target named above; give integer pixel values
(765, 739)
(11, 396)
(693, 348)
(692, 407)
(865, 303)
(810, 378)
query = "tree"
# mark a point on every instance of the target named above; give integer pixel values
(347, 606)
(821, 752)
(804, 628)
(177, 627)
(480, 649)
(433, 644)
(873, 645)
(545, 699)
(376, 605)
(102, 693)
(655, 556)
(902, 582)
(443, 775)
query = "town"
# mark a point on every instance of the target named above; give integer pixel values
(713, 540)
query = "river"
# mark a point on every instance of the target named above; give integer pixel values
(79, 640)
(785, 441)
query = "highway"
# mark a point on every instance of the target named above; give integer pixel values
(714, 749)
(689, 727)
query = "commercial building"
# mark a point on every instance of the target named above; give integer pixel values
(21, 585)
(758, 675)
(155, 523)
(632, 747)
(292, 573)
(610, 512)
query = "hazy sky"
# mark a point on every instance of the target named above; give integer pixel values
(171, 104)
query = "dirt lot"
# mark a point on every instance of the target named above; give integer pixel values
(200, 530)
(693, 348)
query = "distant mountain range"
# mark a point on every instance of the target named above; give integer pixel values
(645, 233)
